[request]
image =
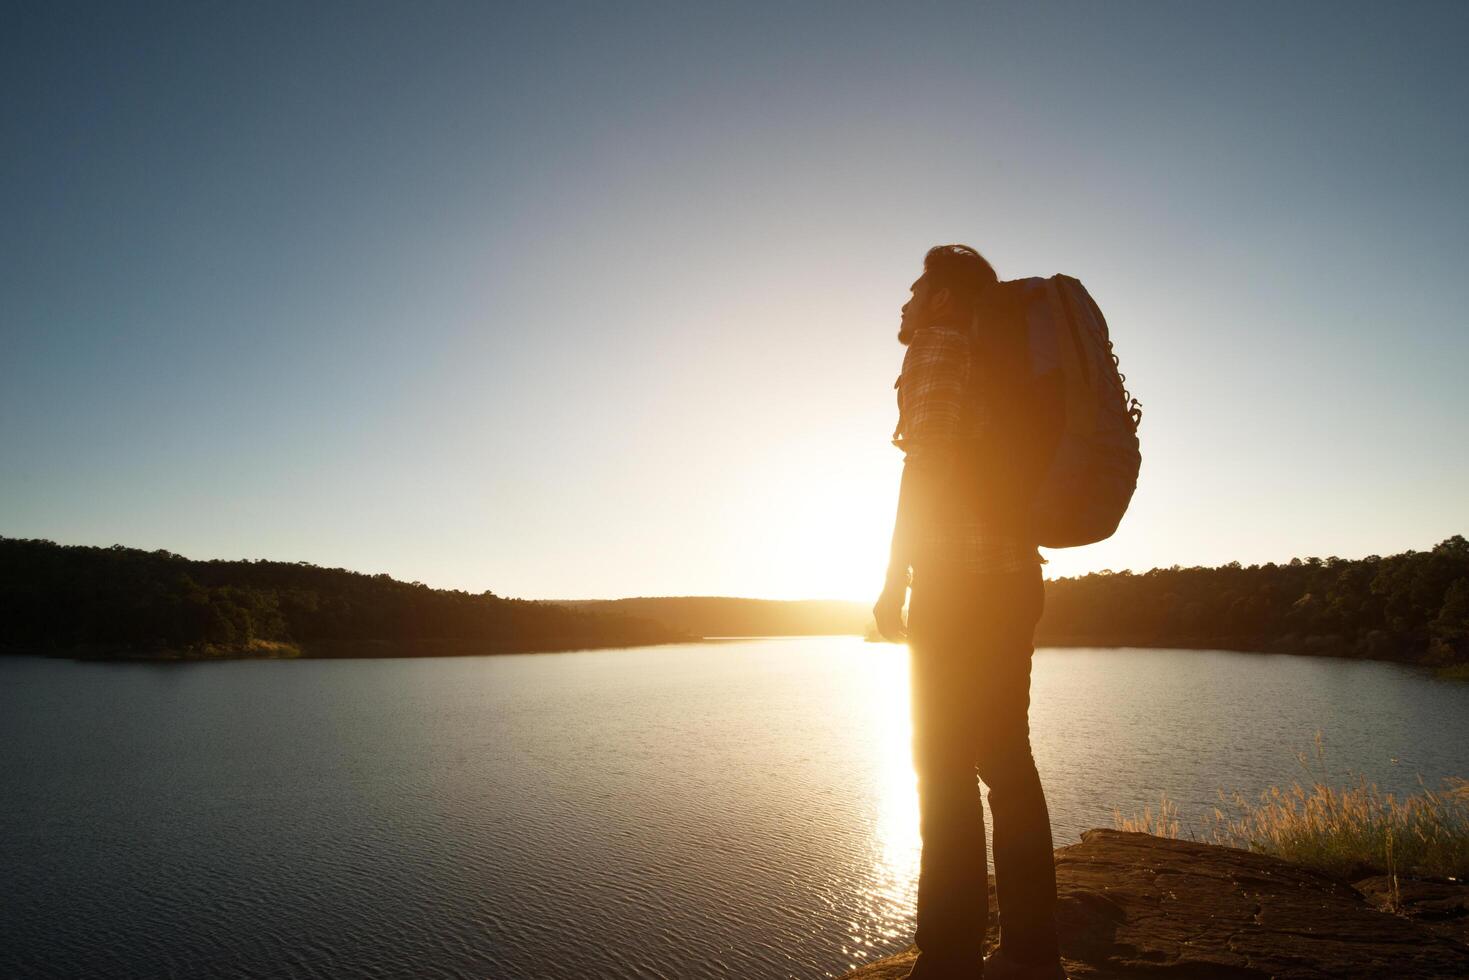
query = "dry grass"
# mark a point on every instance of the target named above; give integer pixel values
(1350, 832)
(1164, 823)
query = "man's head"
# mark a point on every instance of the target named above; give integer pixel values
(954, 277)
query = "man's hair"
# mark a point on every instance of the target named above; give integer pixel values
(961, 270)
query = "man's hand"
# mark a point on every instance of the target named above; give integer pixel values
(889, 613)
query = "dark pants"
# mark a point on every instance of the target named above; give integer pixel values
(971, 640)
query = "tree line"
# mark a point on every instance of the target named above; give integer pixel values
(122, 602)
(1412, 607)
(117, 601)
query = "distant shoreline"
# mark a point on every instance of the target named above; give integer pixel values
(125, 603)
(344, 650)
(431, 649)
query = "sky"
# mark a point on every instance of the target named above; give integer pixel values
(579, 301)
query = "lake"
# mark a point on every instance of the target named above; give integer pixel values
(728, 809)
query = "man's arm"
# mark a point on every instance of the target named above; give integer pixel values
(916, 495)
(917, 498)
(933, 390)
(901, 554)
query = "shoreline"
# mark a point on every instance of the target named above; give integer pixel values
(333, 650)
(433, 648)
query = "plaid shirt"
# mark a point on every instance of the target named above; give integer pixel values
(936, 414)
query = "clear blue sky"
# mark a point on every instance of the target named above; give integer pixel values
(572, 301)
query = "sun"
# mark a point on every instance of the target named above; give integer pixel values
(812, 516)
(844, 528)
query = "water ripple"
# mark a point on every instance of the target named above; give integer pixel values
(741, 810)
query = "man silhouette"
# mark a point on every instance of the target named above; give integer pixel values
(974, 432)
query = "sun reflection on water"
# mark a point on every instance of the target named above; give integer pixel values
(895, 842)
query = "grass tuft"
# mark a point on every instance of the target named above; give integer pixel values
(1349, 832)
(1164, 823)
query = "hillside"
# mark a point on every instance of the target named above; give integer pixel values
(122, 602)
(1411, 607)
(724, 616)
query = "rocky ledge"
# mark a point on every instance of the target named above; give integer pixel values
(1135, 906)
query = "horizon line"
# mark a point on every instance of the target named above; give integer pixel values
(625, 598)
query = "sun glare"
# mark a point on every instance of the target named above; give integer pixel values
(895, 838)
(843, 529)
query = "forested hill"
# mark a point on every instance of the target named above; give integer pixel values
(723, 616)
(124, 602)
(1412, 607)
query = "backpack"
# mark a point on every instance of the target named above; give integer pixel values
(1081, 493)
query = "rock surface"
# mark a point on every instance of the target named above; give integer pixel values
(1135, 906)
(1440, 905)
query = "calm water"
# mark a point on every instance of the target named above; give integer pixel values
(739, 809)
